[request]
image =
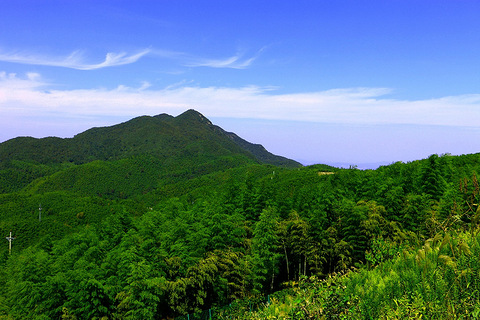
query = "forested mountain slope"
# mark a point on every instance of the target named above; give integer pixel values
(188, 140)
(163, 136)
(127, 234)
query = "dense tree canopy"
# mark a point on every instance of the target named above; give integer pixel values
(134, 239)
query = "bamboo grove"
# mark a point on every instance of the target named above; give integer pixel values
(399, 241)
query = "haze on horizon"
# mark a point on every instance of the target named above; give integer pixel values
(337, 82)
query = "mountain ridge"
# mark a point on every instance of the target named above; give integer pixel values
(161, 135)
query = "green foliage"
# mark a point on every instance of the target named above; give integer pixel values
(154, 219)
(439, 280)
(265, 248)
(432, 182)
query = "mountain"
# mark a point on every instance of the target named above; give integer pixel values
(163, 136)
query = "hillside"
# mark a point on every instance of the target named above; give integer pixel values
(162, 136)
(186, 145)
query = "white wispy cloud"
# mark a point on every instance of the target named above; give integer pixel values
(28, 94)
(75, 60)
(237, 61)
(11, 82)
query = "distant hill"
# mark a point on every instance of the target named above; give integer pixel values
(163, 136)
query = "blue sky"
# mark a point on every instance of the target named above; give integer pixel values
(339, 82)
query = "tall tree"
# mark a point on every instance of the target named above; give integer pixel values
(432, 182)
(265, 249)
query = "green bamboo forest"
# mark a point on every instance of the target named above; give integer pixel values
(165, 217)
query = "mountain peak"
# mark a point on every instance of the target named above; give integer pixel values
(193, 115)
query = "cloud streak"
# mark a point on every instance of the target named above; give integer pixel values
(75, 60)
(238, 61)
(235, 62)
(364, 106)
